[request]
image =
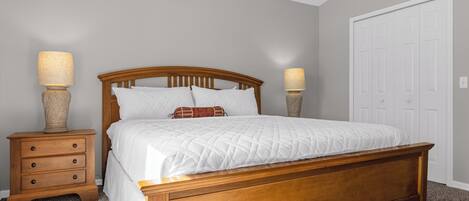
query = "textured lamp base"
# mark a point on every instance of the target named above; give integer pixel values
(294, 102)
(56, 101)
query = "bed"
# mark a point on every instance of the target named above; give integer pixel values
(251, 157)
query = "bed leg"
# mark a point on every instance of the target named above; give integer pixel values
(158, 197)
(422, 180)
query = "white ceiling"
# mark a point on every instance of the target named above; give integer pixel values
(311, 2)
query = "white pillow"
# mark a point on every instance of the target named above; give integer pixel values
(152, 104)
(235, 102)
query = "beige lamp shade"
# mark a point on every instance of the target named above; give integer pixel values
(294, 79)
(55, 69)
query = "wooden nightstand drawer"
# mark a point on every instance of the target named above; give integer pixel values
(52, 147)
(52, 163)
(52, 179)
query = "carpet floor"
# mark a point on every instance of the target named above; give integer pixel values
(436, 192)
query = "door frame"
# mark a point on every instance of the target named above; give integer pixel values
(449, 144)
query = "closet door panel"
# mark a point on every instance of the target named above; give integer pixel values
(434, 74)
(382, 70)
(407, 71)
(363, 72)
(401, 75)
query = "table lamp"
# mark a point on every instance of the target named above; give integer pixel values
(55, 72)
(294, 85)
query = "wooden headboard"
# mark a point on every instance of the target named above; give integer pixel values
(177, 76)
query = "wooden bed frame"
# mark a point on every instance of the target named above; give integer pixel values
(392, 174)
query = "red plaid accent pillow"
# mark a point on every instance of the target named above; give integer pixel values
(197, 112)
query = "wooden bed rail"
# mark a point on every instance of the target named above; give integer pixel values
(398, 173)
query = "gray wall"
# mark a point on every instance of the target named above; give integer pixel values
(255, 37)
(333, 89)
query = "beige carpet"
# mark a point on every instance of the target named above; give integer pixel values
(436, 192)
(439, 192)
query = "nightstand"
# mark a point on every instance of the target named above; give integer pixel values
(48, 165)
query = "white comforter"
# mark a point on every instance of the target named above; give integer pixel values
(153, 149)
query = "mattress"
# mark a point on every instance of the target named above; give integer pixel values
(154, 149)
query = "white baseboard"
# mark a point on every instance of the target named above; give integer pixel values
(6, 193)
(458, 185)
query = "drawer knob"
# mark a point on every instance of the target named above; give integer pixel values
(33, 148)
(75, 161)
(33, 165)
(75, 145)
(75, 177)
(33, 181)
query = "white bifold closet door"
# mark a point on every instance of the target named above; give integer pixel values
(401, 72)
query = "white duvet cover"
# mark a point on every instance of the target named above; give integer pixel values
(153, 149)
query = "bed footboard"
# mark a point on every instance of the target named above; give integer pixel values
(393, 174)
